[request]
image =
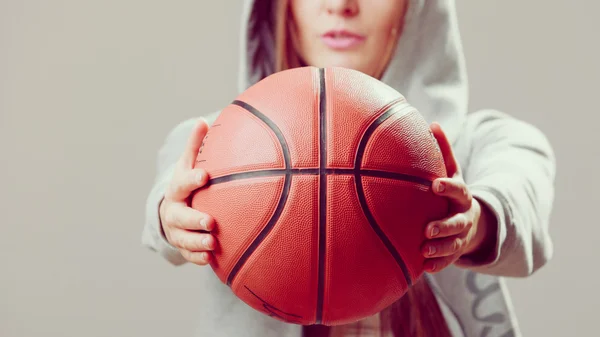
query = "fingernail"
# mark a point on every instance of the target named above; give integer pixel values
(199, 177)
(433, 266)
(432, 250)
(441, 187)
(203, 223)
(205, 257)
(435, 231)
(206, 242)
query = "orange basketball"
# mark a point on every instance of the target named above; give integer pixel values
(320, 186)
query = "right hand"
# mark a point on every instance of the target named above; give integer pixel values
(186, 228)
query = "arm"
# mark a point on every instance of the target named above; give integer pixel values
(153, 235)
(510, 171)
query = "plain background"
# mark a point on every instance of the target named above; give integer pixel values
(89, 89)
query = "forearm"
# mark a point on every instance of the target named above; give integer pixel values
(511, 174)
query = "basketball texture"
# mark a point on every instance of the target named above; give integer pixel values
(320, 186)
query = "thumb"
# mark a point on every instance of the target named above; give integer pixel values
(452, 167)
(194, 143)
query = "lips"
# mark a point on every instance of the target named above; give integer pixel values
(342, 39)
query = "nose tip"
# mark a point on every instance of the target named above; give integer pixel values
(345, 8)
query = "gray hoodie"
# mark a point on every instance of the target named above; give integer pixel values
(508, 164)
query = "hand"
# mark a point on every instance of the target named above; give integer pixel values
(469, 228)
(184, 227)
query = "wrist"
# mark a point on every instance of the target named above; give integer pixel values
(484, 238)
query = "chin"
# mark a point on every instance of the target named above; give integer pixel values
(344, 62)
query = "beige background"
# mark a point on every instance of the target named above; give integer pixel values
(88, 90)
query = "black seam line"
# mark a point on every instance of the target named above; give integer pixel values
(393, 110)
(316, 171)
(282, 199)
(270, 307)
(322, 194)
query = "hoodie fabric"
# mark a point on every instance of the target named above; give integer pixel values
(508, 165)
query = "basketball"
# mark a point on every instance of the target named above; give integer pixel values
(320, 187)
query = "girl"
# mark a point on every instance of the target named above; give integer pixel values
(500, 184)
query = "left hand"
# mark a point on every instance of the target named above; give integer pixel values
(467, 228)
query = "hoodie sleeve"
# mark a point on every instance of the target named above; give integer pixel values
(152, 235)
(511, 170)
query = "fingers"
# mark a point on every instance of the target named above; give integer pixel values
(456, 190)
(181, 216)
(192, 241)
(438, 264)
(199, 258)
(451, 226)
(444, 247)
(447, 241)
(452, 167)
(185, 183)
(194, 142)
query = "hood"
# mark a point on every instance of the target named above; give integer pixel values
(427, 67)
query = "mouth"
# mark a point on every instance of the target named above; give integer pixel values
(342, 39)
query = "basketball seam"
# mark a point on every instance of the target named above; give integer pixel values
(315, 171)
(391, 111)
(322, 195)
(282, 199)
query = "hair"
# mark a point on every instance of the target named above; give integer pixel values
(417, 313)
(286, 38)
